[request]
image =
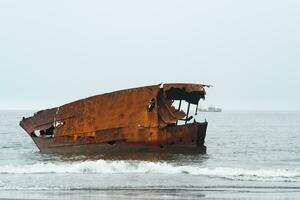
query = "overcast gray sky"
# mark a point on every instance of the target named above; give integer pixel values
(54, 52)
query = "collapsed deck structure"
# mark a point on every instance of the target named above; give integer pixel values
(138, 119)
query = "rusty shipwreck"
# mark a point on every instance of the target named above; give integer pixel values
(133, 120)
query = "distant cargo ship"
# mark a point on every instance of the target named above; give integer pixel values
(210, 109)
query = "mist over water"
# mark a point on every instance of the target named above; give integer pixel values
(249, 153)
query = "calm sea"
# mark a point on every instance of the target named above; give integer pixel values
(250, 155)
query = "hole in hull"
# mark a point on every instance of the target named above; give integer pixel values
(111, 142)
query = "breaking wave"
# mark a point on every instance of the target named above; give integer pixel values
(143, 167)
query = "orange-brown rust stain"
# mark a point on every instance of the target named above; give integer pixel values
(117, 116)
(126, 111)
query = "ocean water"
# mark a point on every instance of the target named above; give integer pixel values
(250, 155)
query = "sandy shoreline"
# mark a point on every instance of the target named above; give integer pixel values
(232, 193)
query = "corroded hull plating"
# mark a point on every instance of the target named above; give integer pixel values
(134, 120)
(180, 139)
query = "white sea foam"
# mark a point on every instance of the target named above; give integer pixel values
(112, 167)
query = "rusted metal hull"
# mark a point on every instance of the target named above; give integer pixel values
(180, 139)
(134, 120)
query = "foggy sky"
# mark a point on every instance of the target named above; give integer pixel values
(54, 52)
